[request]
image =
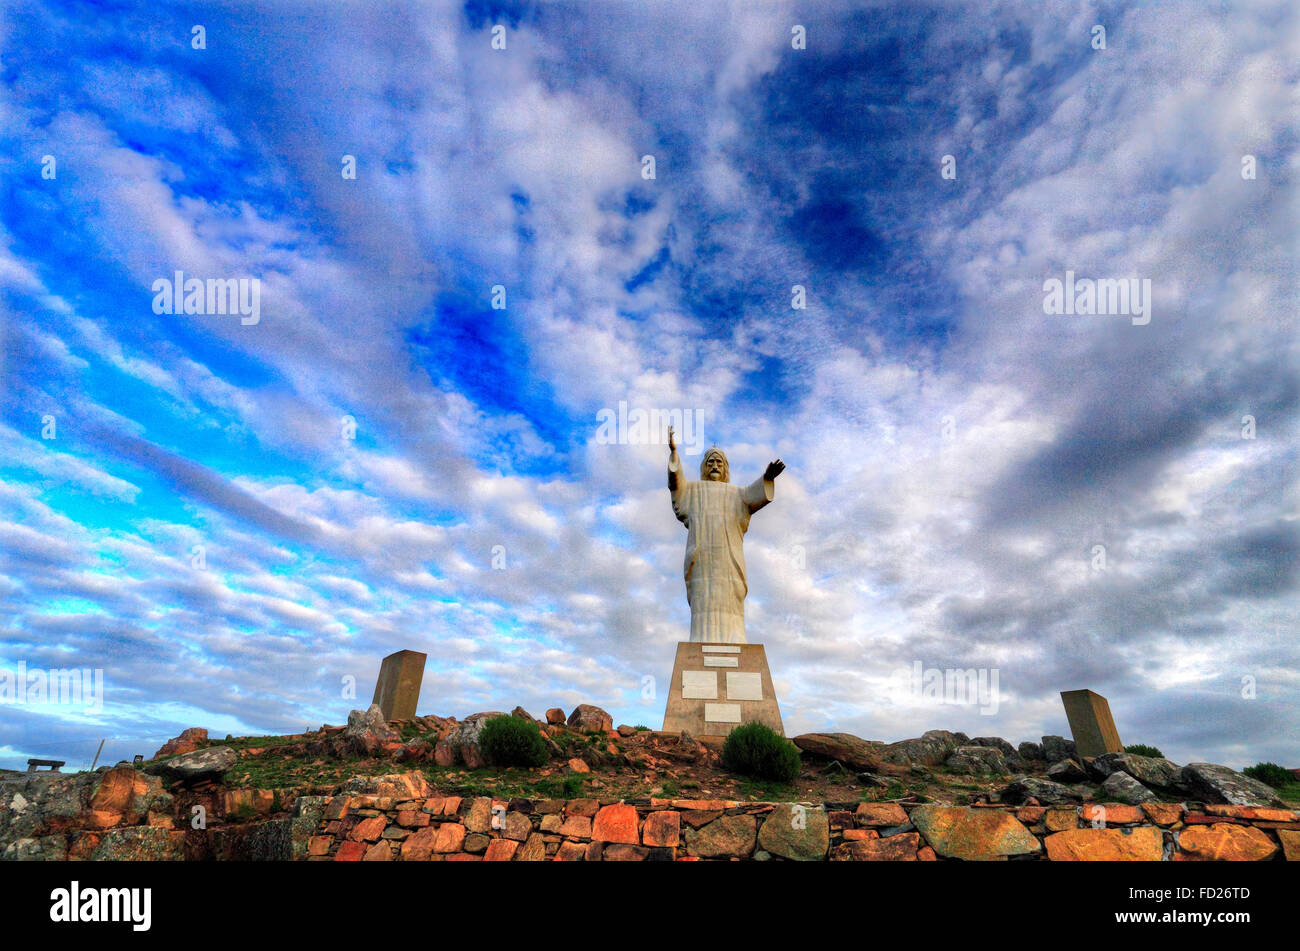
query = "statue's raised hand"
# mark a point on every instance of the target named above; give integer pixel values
(774, 469)
(672, 445)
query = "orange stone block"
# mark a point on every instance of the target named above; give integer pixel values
(662, 829)
(1290, 840)
(1031, 814)
(894, 848)
(350, 852)
(379, 852)
(880, 814)
(1143, 844)
(500, 850)
(617, 823)
(1111, 813)
(319, 845)
(570, 852)
(576, 827)
(1059, 820)
(1224, 842)
(926, 854)
(860, 835)
(1253, 812)
(451, 835)
(368, 830)
(419, 847)
(1163, 813)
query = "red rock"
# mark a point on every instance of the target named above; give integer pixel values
(500, 850)
(623, 852)
(570, 852)
(590, 719)
(576, 827)
(578, 766)
(419, 847)
(697, 818)
(410, 819)
(554, 715)
(895, 848)
(582, 807)
(534, 850)
(973, 834)
(516, 826)
(617, 823)
(1061, 820)
(451, 835)
(1163, 813)
(723, 837)
(189, 741)
(1199, 819)
(1253, 812)
(368, 830)
(839, 819)
(662, 829)
(319, 845)
(122, 796)
(451, 805)
(350, 852)
(1290, 839)
(860, 835)
(1110, 813)
(464, 857)
(379, 852)
(1224, 842)
(926, 854)
(1031, 814)
(1143, 844)
(880, 814)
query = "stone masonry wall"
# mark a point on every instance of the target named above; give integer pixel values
(369, 827)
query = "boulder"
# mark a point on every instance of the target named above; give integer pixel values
(591, 719)
(1030, 751)
(1009, 754)
(796, 832)
(211, 763)
(973, 760)
(1148, 770)
(852, 751)
(523, 714)
(555, 716)
(1219, 784)
(367, 732)
(190, 740)
(723, 837)
(463, 742)
(1057, 748)
(930, 749)
(1047, 793)
(1067, 771)
(973, 834)
(1121, 787)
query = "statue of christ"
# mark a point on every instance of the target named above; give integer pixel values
(716, 515)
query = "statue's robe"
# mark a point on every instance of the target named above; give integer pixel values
(716, 516)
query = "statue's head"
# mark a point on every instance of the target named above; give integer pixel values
(713, 467)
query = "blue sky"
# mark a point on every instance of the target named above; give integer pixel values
(955, 455)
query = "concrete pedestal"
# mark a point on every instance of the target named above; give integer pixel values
(717, 687)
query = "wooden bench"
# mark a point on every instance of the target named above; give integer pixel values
(53, 764)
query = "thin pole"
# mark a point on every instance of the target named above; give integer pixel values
(97, 752)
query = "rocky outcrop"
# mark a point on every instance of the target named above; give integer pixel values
(368, 732)
(1056, 748)
(462, 744)
(190, 740)
(1044, 791)
(590, 719)
(1148, 770)
(210, 764)
(1219, 784)
(930, 749)
(974, 760)
(1121, 787)
(852, 751)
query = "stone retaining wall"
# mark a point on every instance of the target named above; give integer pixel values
(452, 829)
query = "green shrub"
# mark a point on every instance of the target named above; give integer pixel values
(1271, 774)
(512, 741)
(753, 749)
(1141, 749)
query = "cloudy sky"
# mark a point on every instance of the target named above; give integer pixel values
(1060, 501)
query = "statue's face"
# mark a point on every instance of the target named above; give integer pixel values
(714, 468)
